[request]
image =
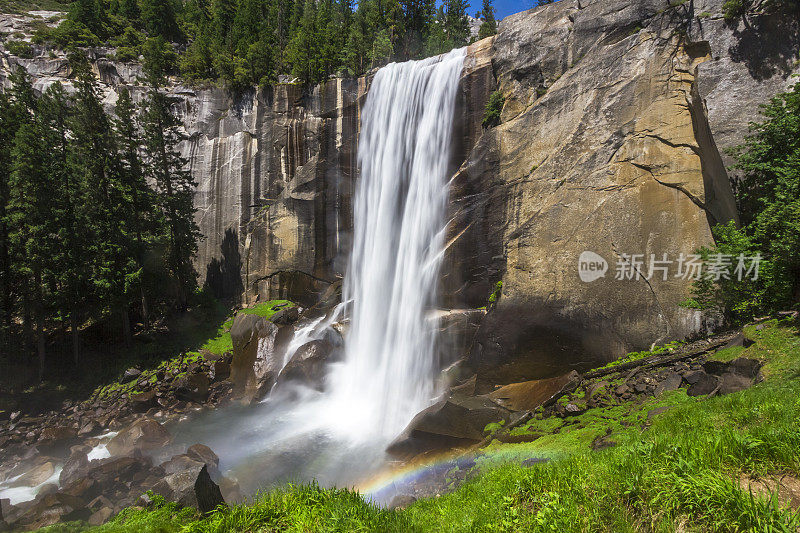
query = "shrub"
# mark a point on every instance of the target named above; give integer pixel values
(734, 9)
(491, 115)
(19, 49)
(768, 197)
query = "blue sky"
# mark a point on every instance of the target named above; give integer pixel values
(503, 8)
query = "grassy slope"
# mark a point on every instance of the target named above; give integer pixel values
(200, 340)
(678, 471)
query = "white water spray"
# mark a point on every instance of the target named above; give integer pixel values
(399, 219)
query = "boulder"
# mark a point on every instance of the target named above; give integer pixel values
(114, 471)
(222, 370)
(401, 501)
(308, 364)
(731, 382)
(529, 395)
(132, 374)
(100, 516)
(204, 454)
(145, 434)
(288, 315)
(705, 384)
(255, 361)
(57, 437)
(670, 380)
(179, 463)
(458, 418)
(143, 401)
(75, 467)
(191, 387)
(191, 487)
(36, 475)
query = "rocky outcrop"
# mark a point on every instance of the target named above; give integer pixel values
(606, 146)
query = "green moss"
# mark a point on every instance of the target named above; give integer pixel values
(635, 356)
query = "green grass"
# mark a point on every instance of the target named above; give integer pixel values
(678, 471)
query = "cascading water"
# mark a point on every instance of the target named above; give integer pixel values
(339, 436)
(399, 218)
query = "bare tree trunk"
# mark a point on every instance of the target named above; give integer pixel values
(40, 339)
(126, 325)
(76, 338)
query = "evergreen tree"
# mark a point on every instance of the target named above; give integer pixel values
(489, 25)
(32, 202)
(165, 166)
(94, 162)
(159, 19)
(456, 23)
(137, 199)
(91, 14)
(303, 47)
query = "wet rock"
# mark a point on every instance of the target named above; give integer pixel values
(191, 387)
(401, 501)
(132, 374)
(114, 471)
(85, 488)
(36, 476)
(76, 466)
(308, 364)
(255, 361)
(705, 384)
(288, 315)
(529, 395)
(145, 434)
(192, 487)
(457, 418)
(179, 463)
(203, 454)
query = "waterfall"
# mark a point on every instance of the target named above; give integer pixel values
(338, 436)
(399, 219)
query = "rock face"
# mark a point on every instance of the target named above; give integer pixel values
(605, 146)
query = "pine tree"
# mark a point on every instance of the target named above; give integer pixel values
(167, 169)
(94, 162)
(138, 201)
(32, 202)
(302, 50)
(456, 23)
(159, 19)
(489, 25)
